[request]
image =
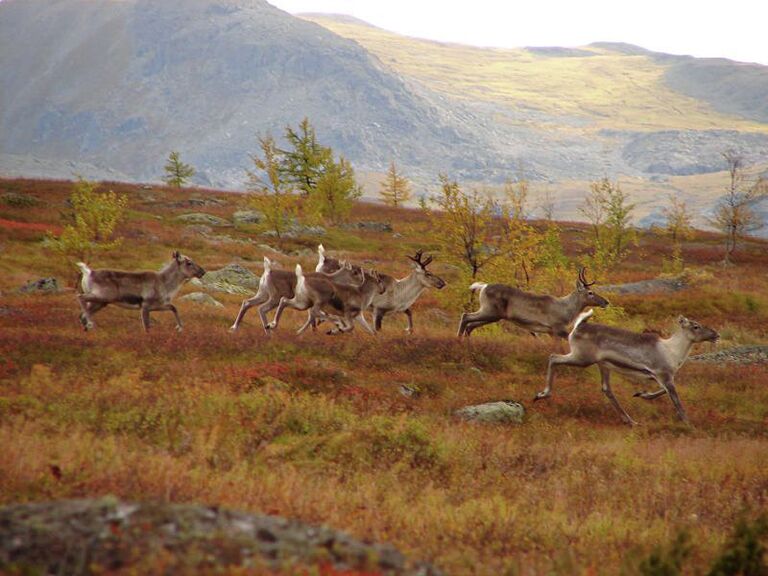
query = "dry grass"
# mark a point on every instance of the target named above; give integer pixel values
(315, 428)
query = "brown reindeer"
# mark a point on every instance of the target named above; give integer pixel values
(147, 291)
(321, 295)
(277, 284)
(643, 356)
(537, 313)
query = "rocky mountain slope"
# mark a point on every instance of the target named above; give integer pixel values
(116, 85)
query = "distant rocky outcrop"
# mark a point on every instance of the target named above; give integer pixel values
(232, 279)
(43, 285)
(109, 535)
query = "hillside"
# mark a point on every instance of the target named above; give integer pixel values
(113, 87)
(357, 432)
(120, 84)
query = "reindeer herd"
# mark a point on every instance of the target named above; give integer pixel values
(340, 293)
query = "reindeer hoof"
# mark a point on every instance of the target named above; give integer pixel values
(638, 394)
(540, 396)
(179, 328)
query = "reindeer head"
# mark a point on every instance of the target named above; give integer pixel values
(588, 296)
(696, 332)
(326, 264)
(425, 277)
(187, 267)
(355, 274)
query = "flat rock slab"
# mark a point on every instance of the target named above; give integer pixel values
(502, 412)
(107, 535)
(735, 355)
(203, 218)
(202, 298)
(654, 286)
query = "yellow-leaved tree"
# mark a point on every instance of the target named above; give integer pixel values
(92, 222)
(269, 194)
(488, 239)
(395, 189)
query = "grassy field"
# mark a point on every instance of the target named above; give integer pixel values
(315, 428)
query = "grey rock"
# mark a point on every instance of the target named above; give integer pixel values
(369, 226)
(202, 298)
(58, 537)
(735, 355)
(43, 285)
(502, 412)
(203, 218)
(232, 279)
(248, 217)
(653, 286)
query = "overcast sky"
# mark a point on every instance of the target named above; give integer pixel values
(736, 29)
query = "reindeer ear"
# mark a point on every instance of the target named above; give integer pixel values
(682, 320)
(176, 255)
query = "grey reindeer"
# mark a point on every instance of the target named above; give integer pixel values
(147, 291)
(643, 356)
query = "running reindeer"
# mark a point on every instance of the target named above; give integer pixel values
(399, 295)
(640, 356)
(148, 291)
(326, 299)
(537, 313)
(277, 284)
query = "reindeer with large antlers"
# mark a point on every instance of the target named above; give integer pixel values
(638, 356)
(537, 313)
(401, 294)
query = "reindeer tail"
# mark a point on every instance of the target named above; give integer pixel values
(320, 257)
(85, 276)
(299, 279)
(478, 286)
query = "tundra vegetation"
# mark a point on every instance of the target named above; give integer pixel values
(317, 428)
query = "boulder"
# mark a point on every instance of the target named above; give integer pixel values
(232, 279)
(202, 298)
(502, 412)
(248, 217)
(44, 285)
(109, 535)
(203, 218)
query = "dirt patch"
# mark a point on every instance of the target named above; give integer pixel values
(94, 536)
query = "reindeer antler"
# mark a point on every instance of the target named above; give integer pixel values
(419, 261)
(583, 279)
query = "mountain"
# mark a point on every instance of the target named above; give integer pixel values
(112, 86)
(120, 83)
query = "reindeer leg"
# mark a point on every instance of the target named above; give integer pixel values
(605, 375)
(145, 317)
(569, 359)
(247, 305)
(268, 306)
(650, 395)
(473, 325)
(668, 382)
(89, 305)
(378, 316)
(294, 303)
(172, 308)
(364, 323)
(409, 314)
